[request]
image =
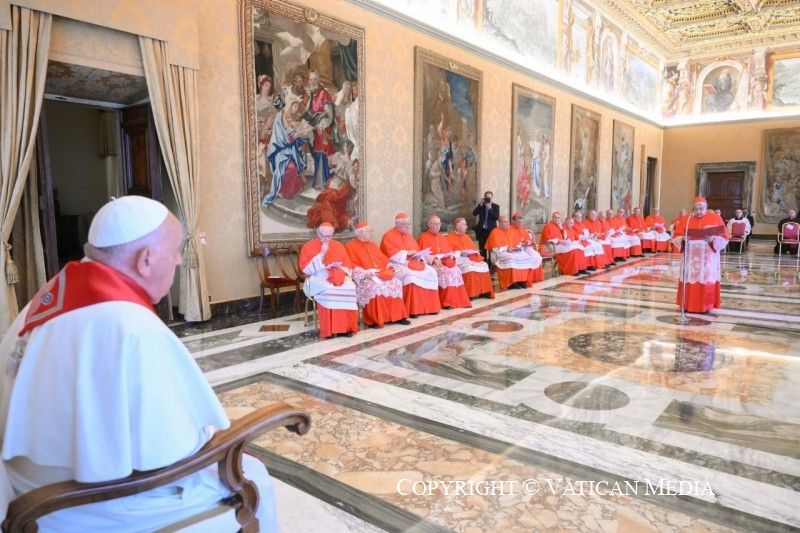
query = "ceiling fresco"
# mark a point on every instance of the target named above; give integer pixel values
(682, 28)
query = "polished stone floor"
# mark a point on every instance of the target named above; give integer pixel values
(581, 404)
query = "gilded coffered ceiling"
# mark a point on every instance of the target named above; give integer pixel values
(683, 28)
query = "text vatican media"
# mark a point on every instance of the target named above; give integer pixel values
(556, 487)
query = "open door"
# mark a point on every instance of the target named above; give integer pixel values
(141, 164)
(47, 211)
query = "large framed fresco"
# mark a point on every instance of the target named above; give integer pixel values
(622, 166)
(640, 79)
(304, 120)
(447, 110)
(533, 125)
(780, 185)
(783, 72)
(584, 154)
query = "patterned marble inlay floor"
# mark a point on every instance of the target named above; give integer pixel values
(582, 379)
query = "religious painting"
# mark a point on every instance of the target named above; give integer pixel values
(723, 88)
(533, 124)
(639, 79)
(783, 71)
(578, 42)
(447, 97)
(451, 16)
(669, 92)
(525, 27)
(584, 154)
(610, 58)
(780, 180)
(304, 120)
(622, 167)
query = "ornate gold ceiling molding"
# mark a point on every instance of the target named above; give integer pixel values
(681, 28)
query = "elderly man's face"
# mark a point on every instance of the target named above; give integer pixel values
(637, 211)
(516, 222)
(504, 223)
(557, 218)
(403, 225)
(434, 225)
(620, 212)
(364, 234)
(792, 213)
(592, 215)
(699, 209)
(569, 222)
(325, 234)
(461, 227)
(578, 216)
(739, 213)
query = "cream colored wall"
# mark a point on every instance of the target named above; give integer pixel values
(389, 103)
(685, 147)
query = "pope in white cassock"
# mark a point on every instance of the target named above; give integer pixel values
(93, 385)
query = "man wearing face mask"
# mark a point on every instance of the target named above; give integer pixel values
(487, 212)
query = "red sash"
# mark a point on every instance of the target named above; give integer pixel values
(81, 284)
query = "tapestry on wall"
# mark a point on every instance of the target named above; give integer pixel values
(303, 81)
(780, 190)
(447, 109)
(622, 167)
(583, 160)
(533, 124)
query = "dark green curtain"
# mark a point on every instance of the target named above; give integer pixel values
(349, 54)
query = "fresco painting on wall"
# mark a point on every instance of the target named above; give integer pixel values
(784, 79)
(640, 79)
(584, 155)
(577, 42)
(622, 166)
(304, 122)
(723, 88)
(528, 28)
(533, 124)
(447, 109)
(780, 183)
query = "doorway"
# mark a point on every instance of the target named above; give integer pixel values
(727, 186)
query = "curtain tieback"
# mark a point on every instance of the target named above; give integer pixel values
(190, 258)
(12, 272)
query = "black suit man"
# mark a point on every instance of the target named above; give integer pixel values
(487, 213)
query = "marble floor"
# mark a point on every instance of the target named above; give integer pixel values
(578, 405)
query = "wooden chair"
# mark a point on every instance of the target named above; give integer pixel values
(548, 253)
(225, 448)
(738, 235)
(278, 268)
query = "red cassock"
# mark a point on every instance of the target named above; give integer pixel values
(336, 302)
(420, 287)
(621, 225)
(526, 237)
(703, 267)
(452, 292)
(512, 267)
(596, 228)
(597, 258)
(638, 224)
(570, 259)
(382, 299)
(620, 251)
(477, 278)
(658, 225)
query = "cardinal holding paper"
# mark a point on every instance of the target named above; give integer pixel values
(701, 235)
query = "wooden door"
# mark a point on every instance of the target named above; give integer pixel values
(47, 211)
(725, 192)
(141, 158)
(141, 164)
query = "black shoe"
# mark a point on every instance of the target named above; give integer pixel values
(413, 316)
(404, 322)
(348, 334)
(591, 268)
(447, 308)
(373, 326)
